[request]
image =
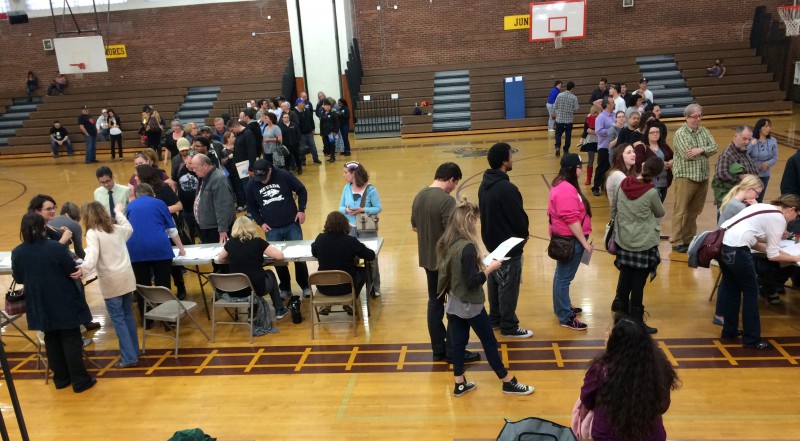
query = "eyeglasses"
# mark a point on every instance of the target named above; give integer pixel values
(192, 153)
(352, 165)
(105, 181)
(53, 208)
(696, 117)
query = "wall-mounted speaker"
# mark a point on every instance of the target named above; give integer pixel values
(17, 17)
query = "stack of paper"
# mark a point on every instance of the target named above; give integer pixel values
(200, 253)
(297, 251)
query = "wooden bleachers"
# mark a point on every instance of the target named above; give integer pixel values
(719, 96)
(33, 137)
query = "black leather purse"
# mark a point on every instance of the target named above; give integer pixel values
(561, 248)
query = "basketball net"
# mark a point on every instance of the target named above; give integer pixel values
(791, 19)
(557, 40)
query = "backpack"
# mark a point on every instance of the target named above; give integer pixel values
(711, 246)
(535, 429)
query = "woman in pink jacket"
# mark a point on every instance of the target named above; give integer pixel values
(570, 215)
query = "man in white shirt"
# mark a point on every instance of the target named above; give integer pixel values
(102, 126)
(619, 102)
(109, 193)
(643, 91)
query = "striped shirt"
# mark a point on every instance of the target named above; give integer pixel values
(695, 169)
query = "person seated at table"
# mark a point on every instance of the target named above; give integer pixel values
(335, 249)
(244, 253)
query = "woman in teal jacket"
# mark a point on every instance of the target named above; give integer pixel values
(350, 205)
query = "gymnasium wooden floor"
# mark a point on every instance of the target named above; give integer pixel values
(383, 384)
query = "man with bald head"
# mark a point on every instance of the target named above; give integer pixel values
(214, 207)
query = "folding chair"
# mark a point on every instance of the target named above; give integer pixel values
(327, 278)
(161, 304)
(231, 283)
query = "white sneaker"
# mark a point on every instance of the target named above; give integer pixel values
(306, 292)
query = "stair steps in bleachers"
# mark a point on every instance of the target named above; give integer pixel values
(15, 116)
(197, 104)
(666, 81)
(451, 101)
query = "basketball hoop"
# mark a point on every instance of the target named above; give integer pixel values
(557, 40)
(791, 19)
(80, 66)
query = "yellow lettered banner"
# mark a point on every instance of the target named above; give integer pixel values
(513, 22)
(116, 51)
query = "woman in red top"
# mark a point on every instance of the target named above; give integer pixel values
(570, 215)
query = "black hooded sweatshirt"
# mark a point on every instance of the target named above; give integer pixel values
(502, 214)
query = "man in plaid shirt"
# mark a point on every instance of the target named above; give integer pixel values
(693, 146)
(564, 109)
(733, 163)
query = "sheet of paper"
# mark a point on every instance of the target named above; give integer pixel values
(793, 249)
(5, 261)
(586, 257)
(242, 168)
(297, 251)
(200, 253)
(500, 252)
(371, 244)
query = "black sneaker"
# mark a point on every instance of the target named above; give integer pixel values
(595, 192)
(575, 325)
(517, 333)
(680, 248)
(576, 311)
(558, 153)
(514, 387)
(294, 308)
(469, 357)
(463, 388)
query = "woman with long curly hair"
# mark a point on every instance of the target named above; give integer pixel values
(628, 386)
(462, 275)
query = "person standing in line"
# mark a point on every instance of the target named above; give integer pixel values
(305, 114)
(344, 124)
(693, 146)
(503, 217)
(637, 211)
(430, 215)
(599, 93)
(329, 128)
(602, 125)
(732, 164)
(69, 218)
(53, 302)
(763, 151)
(570, 215)
(108, 255)
(564, 109)
(89, 130)
(213, 206)
(551, 98)
(462, 275)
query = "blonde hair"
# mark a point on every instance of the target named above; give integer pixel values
(463, 219)
(188, 127)
(96, 217)
(748, 182)
(595, 110)
(244, 229)
(151, 155)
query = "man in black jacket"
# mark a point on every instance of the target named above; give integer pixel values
(790, 184)
(305, 116)
(248, 115)
(270, 198)
(245, 149)
(503, 217)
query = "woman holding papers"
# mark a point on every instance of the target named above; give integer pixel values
(461, 277)
(637, 212)
(106, 253)
(244, 253)
(570, 215)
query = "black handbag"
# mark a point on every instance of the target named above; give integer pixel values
(561, 248)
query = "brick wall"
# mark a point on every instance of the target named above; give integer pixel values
(428, 32)
(164, 45)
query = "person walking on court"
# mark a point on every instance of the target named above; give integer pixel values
(564, 109)
(430, 215)
(693, 146)
(503, 217)
(551, 98)
(462, 275)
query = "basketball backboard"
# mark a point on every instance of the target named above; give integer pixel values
(79, 55)
(567, 17)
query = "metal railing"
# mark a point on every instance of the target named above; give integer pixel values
(378, 114)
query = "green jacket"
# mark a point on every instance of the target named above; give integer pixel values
(452, 279)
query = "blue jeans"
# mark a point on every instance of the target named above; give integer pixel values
(483, 329)
(565, 273)
(102, 135)
(120, 309)
(91, 149)
(739, 286)
(550, 121)
(289, 232)
(765, 180)
(504, 294)
(308, 141)
(55, 146)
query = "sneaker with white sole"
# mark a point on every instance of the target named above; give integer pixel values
(281, 313)
(463, 388)
(517, 333)
(514, 387)
(306, 292)
(575, 324)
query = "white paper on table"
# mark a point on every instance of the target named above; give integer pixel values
(242, 168)
(5, 261)
(200, 253)
(371, 244)
(297, 251)
(793, 249)
(500, 252)
(786, 243)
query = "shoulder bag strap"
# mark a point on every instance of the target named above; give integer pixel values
(750, 215)
(364, 196)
